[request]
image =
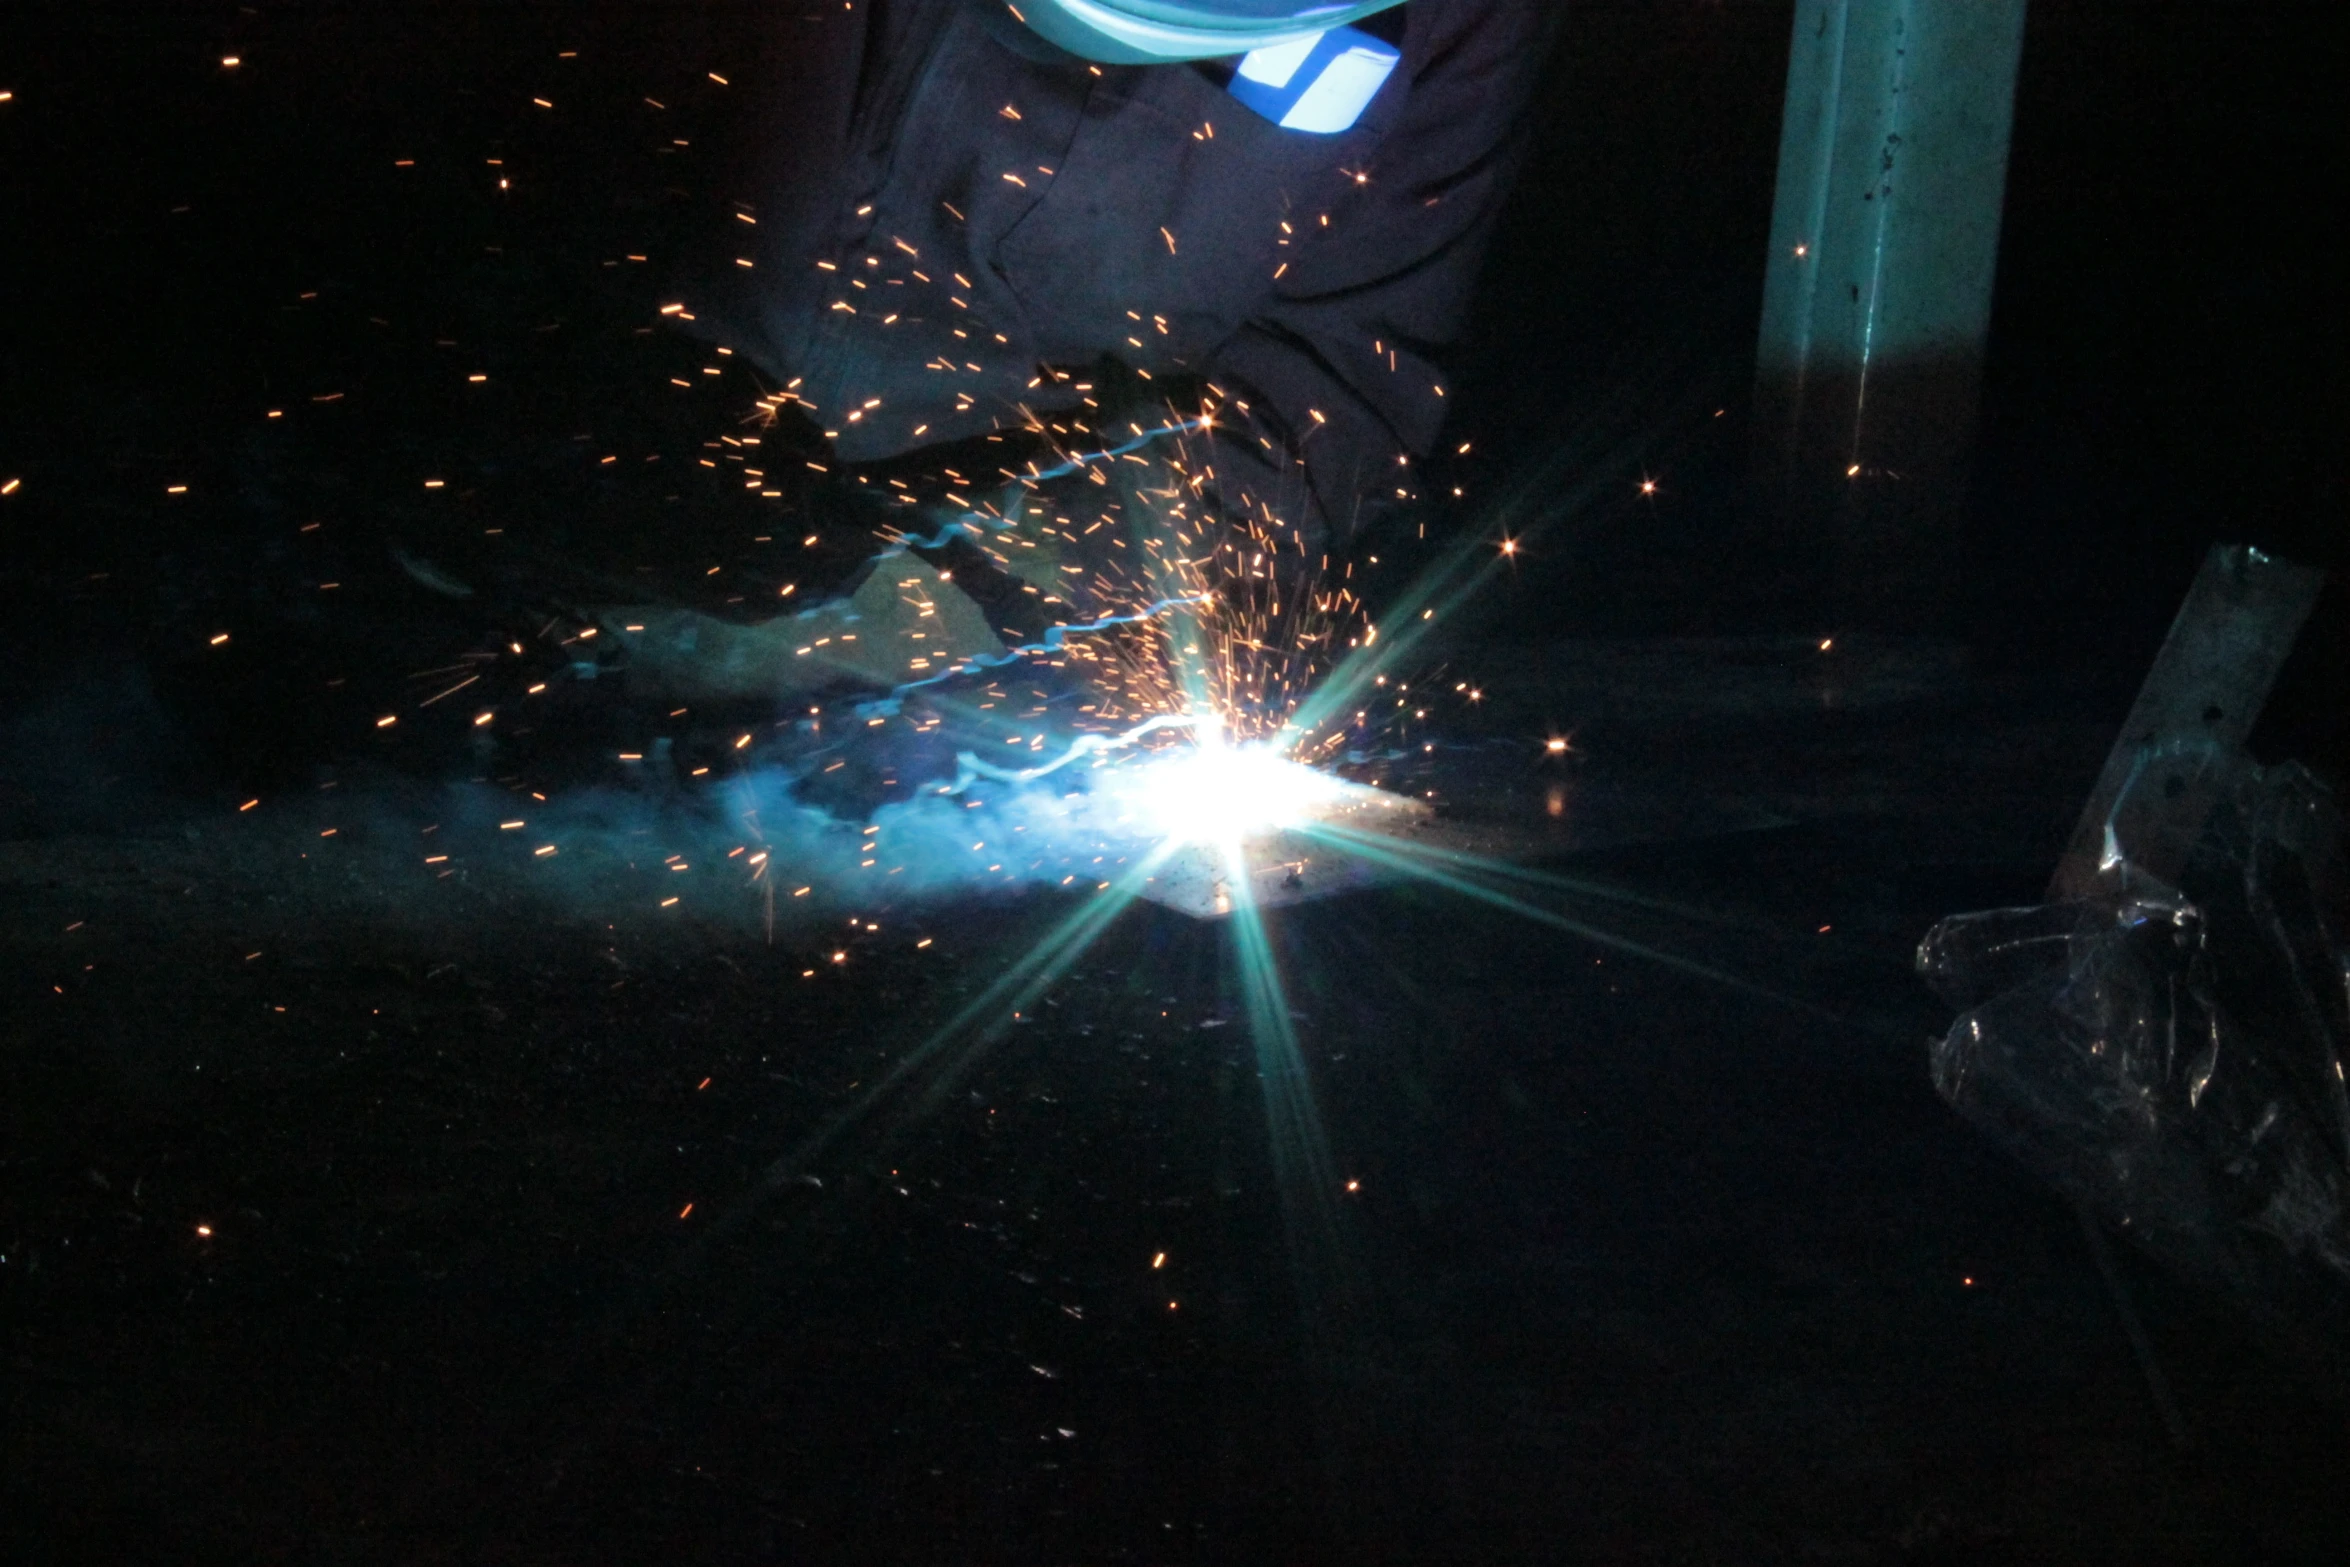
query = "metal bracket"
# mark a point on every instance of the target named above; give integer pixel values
(2205, 691)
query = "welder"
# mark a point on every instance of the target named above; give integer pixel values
(968, 221)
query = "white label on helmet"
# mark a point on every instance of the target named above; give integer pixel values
(1275, 66)
(1336, 99)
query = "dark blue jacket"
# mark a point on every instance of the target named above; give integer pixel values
(948, 211)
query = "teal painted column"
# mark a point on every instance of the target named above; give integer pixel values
(1877, 295)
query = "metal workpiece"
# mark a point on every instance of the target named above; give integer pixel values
(2197, 708)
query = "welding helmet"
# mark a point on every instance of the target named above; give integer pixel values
(1148, 32)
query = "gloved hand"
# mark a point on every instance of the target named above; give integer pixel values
(901, 597)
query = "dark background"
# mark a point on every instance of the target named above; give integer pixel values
(2165, 364)
(1676, 1286)
(2165, 358)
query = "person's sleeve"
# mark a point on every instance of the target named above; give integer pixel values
(1337, 377)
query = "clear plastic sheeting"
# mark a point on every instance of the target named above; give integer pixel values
(2170, 1053)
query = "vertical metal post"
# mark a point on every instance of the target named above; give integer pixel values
(1877, 295)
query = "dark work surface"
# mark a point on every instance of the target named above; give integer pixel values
(1640, 1267)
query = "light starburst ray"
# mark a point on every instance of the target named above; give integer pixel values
(1457, 576)
(1044, 965)
(1580, 472)
(1303, 1172)
(974, 1026)
(1406, 860)
(983, 1020)
(1483, 868)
